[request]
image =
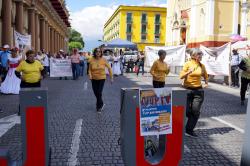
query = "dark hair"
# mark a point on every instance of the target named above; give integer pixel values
(29, 52)
(161, 52)
(95, 51)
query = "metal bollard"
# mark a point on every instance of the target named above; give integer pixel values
(4, 157)
(34, 121)
(245, 159)
(132, 143)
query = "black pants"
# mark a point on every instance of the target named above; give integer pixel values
(87, 68)
(243, 89)
(235, 75)
(194, 101)
(3, 72)
(158, 84)
(30, 85)
(141, 65)
(75, 70)
(97, 86)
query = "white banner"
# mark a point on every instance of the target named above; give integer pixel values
(216, 60)
(175, 55)
(22, 40)
(243, 47)
(60, 68)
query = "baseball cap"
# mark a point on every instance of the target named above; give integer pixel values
(6, 46)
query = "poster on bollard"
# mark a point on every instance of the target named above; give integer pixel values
(156, 111)
(60, 68)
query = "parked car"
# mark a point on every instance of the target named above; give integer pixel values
(130, 55)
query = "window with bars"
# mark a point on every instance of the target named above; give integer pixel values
(144, 18)
(157, 19)
(143, 29)
(157, 38)
(157, 29)
(129, 17)
(129, 28)
(143, 38)
(129, 37)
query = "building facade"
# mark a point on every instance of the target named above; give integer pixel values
(145, 26)
(45, 20)
(206, 22)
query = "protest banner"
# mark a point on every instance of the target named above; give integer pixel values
(60, 68)
(216, 60)
(22, 41)
(175, 55)
(156, 111)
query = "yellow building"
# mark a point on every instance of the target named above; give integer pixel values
(143, 25)
(206, 22)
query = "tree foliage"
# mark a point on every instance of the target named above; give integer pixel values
(76, 37)
(75, 44)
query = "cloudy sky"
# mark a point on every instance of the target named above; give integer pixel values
(88, 16)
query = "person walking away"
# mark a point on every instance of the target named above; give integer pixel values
(11, 84)
(122, 62)
(45, 63)
(116, 65)
(192, 73)
(30, 71)
(75, 61)
(4, 54)
(235, 61)
(159, 70)
(245, 77)
(97, 76)
(82, 65)
(140, 63)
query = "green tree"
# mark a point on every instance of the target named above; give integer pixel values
(76, 37)
(74, 44)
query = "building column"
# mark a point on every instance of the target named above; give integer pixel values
(244, 11)
(46, 35)
(210, 18)
(193, 19)
(53, 40)
(42, 33)
(6, 22)
(19, 16)
(49, 41)
(56, 41)
(37, 25)
(235, 17)
(31, 26)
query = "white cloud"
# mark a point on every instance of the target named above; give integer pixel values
(90, 20)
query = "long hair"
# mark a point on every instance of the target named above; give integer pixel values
(95, 51)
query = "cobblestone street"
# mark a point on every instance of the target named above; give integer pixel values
(220, 128)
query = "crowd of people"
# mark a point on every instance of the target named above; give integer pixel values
(19, 71)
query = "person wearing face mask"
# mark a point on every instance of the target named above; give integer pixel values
(192, 73)
(97, 75)
(159, 70)
(30, 71)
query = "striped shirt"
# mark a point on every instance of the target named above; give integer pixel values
(75, 58)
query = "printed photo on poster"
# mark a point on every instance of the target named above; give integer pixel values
(156, 111)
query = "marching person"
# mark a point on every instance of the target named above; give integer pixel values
(192, 73)
(140, 63)
(4, 54)
(30, 71)
(97, 76)
(11, 84)
(235, 61)
(245, 77)
(159, 70)
(75, 61)
(116, 65)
